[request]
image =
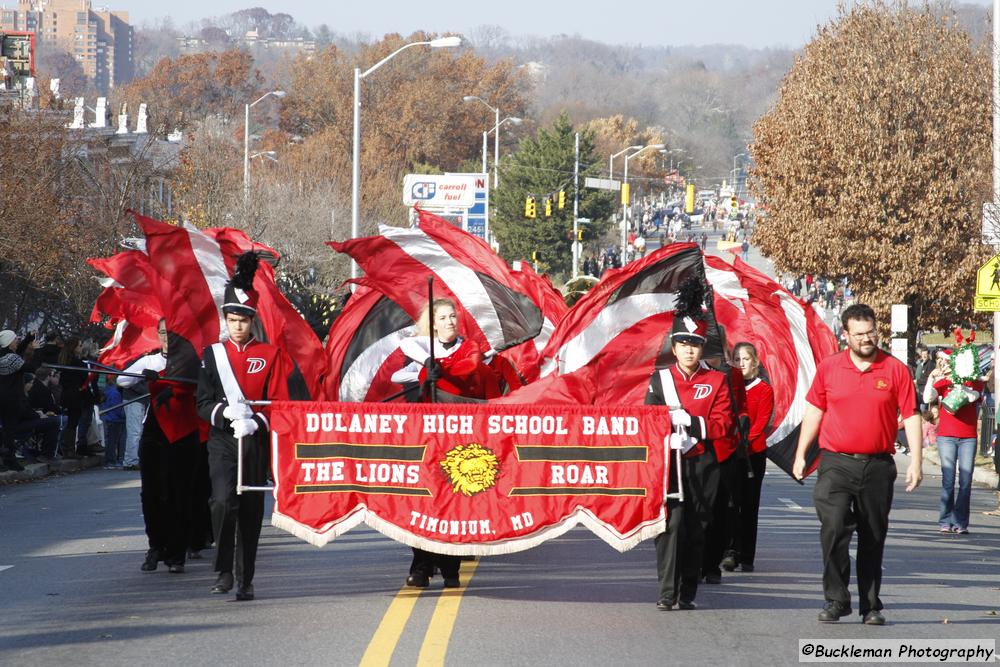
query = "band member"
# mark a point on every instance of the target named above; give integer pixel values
(742, 547)
(700, 411)
(168, 448)
(458, 369)
(239, 370)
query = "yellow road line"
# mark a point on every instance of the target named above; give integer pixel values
(383, 643)
(442, 623)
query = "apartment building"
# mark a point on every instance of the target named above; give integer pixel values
(99, 38)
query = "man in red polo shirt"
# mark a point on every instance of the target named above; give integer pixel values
(853, 404)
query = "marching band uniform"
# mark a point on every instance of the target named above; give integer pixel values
(703, 400)
(168, 450)
(760, 404)
(232, 373)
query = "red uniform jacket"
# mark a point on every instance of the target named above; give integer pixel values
(173, 405)
(263, 371)
(760, 404)
(705, 395)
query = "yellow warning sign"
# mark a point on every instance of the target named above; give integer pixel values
(988, 286)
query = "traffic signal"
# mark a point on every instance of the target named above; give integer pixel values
(548, 207)
(625, 194)
(535, 255)
(530, 207)
(735, 203)
(562, 199)
(579, 235)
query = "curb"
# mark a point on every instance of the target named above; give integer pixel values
(980, 475)
(34, 471)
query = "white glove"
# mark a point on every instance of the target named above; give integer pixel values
(972, 394)
(680, 417)
(244, 427)
(238, 411)
(682, 442)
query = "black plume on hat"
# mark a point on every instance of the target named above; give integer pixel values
(246, 269)
(240, 297)
(689, 315)
(690, 298)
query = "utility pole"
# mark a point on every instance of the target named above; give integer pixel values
(996, 164)
(576, 208)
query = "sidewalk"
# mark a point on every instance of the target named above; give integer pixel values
(983, 474)
(33, 471)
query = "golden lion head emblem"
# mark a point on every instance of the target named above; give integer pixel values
(471, 468)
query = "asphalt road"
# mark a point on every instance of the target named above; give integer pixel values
(72, 592)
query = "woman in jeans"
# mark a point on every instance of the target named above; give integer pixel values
(956, 443)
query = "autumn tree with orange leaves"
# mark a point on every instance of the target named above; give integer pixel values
(875, 161)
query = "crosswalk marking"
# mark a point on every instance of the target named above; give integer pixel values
(5, 567)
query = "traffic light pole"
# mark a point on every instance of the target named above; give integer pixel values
(576, 208)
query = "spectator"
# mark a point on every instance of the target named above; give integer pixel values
(924, 365)
(745, 250)
(36, 423)
(42, 399)
(956, 442)
(77, 399)
(114, 426)
(11, 398)
(929, 419)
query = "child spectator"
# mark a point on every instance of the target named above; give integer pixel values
(929, 423)
(114, 426)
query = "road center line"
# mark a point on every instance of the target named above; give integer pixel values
(435, 645)
(5, 567)
(790, 504)
(383, 643)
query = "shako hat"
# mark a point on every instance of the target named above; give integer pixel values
(241, 298)
(690, 324)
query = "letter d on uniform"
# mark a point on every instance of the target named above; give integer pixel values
(312, 422)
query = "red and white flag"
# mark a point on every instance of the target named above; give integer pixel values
(790, 338)
(399, 262)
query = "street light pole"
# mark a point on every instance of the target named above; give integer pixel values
(484, 152)
(611, 160)
(441, 42)
(625, 204)
(246, 142)
(496, 137)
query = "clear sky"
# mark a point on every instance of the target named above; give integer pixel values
(756, 23)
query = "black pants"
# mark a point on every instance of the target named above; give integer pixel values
(853, 494)
(231, 512)
(680, 549)
(201, 512)
(724, 520)
(743, 539)
(166, 470)
(424, 563)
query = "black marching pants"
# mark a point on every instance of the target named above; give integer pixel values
(680, 550)
(853, 494)
(166, 471)
(424, 562)
(743, 539)
(230, 511)
(725, 522)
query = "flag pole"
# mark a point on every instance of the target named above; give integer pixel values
(98, 371)
(430, 319)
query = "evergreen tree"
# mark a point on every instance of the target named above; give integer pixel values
(540, 168)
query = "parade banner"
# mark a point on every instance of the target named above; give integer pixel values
(469, 479)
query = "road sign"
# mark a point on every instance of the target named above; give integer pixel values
(602, 184)
(988, 286)
(991, 224)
